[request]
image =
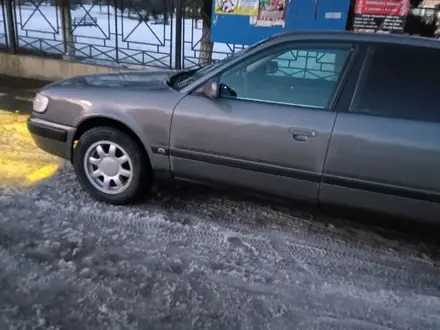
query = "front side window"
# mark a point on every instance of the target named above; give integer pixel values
(401, 82)
(303, 76)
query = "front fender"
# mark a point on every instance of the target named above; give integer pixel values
(124, 119)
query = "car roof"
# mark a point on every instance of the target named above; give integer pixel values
(402, 39)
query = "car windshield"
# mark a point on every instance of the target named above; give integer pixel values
(185, 78)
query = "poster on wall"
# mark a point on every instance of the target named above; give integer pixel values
(270, 13)
(275, 17)
(380, 16)
(237, 7)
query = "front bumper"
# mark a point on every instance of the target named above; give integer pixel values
(53, 138)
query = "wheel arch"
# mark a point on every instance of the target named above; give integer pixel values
(102, 121)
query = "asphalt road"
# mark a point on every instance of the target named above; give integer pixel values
(195, 259)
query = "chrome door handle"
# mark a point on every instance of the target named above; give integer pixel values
(301, 135)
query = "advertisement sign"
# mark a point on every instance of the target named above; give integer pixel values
(377, 15)
(244, 22)
(271, 13)
(237, 7)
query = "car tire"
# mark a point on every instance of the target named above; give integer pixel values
(111, 166)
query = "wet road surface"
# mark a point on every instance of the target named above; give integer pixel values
(196, 259)
(21, 163)
(16, 94)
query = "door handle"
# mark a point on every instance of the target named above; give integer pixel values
(301, 134)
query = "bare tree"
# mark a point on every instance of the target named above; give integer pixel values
(206, 46)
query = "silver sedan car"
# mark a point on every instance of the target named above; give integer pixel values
(333, 118)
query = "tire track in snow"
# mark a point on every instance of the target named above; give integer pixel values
(206, 263)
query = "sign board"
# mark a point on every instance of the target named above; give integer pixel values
(271, 13)
(380, 15)
(237, 7)
(244, 22)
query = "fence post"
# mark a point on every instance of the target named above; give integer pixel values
(179, 33)
(10, 5)
(63, 26)
(116, 29)
(66, 25)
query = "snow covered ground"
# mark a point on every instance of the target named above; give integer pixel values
(187, 260)
(138, 43)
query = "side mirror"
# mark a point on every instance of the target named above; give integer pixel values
(210, 89)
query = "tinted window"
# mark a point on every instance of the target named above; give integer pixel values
(310, 64)
(298, 76)
(401, 82)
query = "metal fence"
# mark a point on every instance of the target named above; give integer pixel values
(88, 31)
(109, 32)
(310, 64)
(193, 34)
(38, 27)
(159, 33)
(3, 28)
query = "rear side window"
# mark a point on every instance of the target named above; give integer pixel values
(401, 82)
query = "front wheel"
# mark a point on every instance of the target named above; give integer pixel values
(111, 166)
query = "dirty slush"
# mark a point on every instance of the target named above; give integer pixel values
(186, 261)
(182, 260)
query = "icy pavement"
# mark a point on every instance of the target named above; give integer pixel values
(18, 93)
(185, 260)
(188, 260)
(21, 162)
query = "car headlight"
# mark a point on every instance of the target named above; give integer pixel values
(40, 103)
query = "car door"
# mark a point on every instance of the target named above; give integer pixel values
(384, 153)
(269, 130)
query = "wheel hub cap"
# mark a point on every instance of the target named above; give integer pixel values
(108, 167)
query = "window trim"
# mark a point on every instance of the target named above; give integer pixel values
(345, 71)
(345, 98)
(243, 99)
(363, 75)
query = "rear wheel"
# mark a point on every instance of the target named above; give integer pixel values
(111, 166)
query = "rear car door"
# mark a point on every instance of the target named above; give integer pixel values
(269, 130)
(384, 154)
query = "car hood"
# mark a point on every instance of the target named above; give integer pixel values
(124, 80)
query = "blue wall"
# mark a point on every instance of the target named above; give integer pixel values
(300, 15)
